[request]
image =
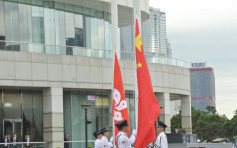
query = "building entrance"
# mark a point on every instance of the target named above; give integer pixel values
(21, 112)
(13, 126)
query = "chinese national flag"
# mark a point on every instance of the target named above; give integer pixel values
(119, 111)
(148, 106)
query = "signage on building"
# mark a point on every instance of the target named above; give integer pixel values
(91, 98)
(198, 64)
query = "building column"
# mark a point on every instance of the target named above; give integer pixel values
(164, 101)
(53, 129)
(186, 115)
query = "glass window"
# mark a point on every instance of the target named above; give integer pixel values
(101, 34)
(78, 9)
(70, 29)
(25, 24)
(74, 114)
(37, 107)
(27, 113)
(88, 31)
(107, 36)
(37, 2)
(67, 113)
(131, 108)
(38, 28)
(38, 25)
(108, 39)
(11, 21)
(60, 32)
(79, 31)
(49, 26)
(32, 107)
(12, 105)
(94, 34)
(2, 22)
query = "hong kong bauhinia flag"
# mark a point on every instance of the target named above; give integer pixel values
(119, 110)
(148, 106)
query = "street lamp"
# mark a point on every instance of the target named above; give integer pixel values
(86, 107)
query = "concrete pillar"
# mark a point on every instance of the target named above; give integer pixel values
(53, 129)
(164, 101)
(186, 115)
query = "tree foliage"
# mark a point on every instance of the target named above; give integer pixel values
(208, 125)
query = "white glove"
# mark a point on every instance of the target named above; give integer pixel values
(134, 132)
(111, 139)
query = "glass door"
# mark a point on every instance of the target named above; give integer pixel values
(13, 126)
(7, 127)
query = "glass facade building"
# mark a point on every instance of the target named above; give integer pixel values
(154, 38)
(56, 55)
(202, 82)
(56, 28)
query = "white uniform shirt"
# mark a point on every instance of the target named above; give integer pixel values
(123, 141)
(98, 143)
(161, 141)
(5, 142)
(105, 142)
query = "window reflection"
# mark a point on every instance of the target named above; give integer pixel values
(79, 31)
(38, 25)
(11, 20)
(70, 29)
(23, 109)
(25, 26)
(49, 26)
(46, 30)
(74, 117)
(2, 23)
(131, 107)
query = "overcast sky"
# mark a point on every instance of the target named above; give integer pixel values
(206, 30)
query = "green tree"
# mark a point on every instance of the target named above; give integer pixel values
(211, 109)
(230, 127)
(176, 122)
(207, 125)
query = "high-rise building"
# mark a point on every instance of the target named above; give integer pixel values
(202, 82)
(153, 35)
(56, 55)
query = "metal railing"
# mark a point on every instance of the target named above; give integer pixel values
(83, 51)
(24, 145)
(78, 144)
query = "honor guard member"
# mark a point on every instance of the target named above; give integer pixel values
(161, 141)
(98, 137)
(122, 139)
(104, 140)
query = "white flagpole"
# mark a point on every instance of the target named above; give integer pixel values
(114, 21)
(136, 15)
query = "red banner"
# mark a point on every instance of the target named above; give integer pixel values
(119, 111)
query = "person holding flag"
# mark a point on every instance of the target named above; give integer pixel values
(119, 109)
(161, 141)
(122, 139)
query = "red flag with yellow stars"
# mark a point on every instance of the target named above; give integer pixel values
(148, 106)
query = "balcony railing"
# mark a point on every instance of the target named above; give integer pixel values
(82, 51)
(24, 145)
